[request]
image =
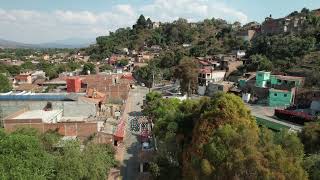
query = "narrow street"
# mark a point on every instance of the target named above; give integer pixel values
(130, 164)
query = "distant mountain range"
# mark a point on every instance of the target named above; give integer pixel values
(66, 43)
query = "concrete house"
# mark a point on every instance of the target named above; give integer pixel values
(23, 79)
(207, 75)
(279, 97)
(262, 77)
(281, 89)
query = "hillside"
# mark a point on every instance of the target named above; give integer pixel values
(207, 37)
(66, 43)
(278, 51)
(13, 44)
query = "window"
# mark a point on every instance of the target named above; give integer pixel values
(285, 95)
(279, 80)
(275, 94)
(260, 75)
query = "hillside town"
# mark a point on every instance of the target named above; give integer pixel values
(137, 98)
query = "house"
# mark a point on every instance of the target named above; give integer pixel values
(239, 53)
(265, 79)
(286, 81)
(316, 12)
(38, 74)
(288, 24)
(279, 97)
(207, 75)
(186, 45)
(216, 87)
(46, 57)
(262, 78)
(144, 57)
(23, 79)
(230, 63)
(281, 89)
(156, 48)
(53, 119)
(155, 25)
(248, 34)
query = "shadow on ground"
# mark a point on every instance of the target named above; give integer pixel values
(130, 168)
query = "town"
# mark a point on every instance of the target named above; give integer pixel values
(164, 100)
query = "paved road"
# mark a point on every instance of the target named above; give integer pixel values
(130, 168)
(267, 114)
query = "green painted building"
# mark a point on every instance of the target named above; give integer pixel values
(242, 82)
(291, 81)
(262, 78)
(280, 97)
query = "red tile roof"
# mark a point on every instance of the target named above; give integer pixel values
(205, 70)
(21, 77)
(119, 133)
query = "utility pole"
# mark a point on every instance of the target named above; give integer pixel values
(189, 89)
(1, 118)
(152, 82)
(152, 79)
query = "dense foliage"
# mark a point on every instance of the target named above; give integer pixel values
(210, 36)
(5, 84)
(218, 139)
(26, 154)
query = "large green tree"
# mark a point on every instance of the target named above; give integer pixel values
(5, 85)
(88, 67)
(218, 138)
(22, 156)
(227, 144)
(27, 154)
(187, 72)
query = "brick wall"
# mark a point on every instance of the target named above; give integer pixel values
(103, 138)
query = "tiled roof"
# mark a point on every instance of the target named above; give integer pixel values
(21, 77)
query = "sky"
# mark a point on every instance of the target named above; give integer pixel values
(40, 21)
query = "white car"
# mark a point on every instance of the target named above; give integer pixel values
(143, 85)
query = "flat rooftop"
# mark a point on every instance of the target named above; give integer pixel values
(46, 116)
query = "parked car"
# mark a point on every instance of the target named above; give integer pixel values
(143, 85)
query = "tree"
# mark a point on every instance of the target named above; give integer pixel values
(105, 67)
(187, 73)
(305, 11)
(312, 166)
(141, 22)
(149, 23)
(28, 154)
(98, 159)
(28, 65)
(14, 70)
(123, 62)
(70, 164)
(227, 144)
(5, 85)
(260, 62)
(22, 156)
(73, 65)
(310, 137)
(88, 68)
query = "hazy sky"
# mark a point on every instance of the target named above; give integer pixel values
(37, 21)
